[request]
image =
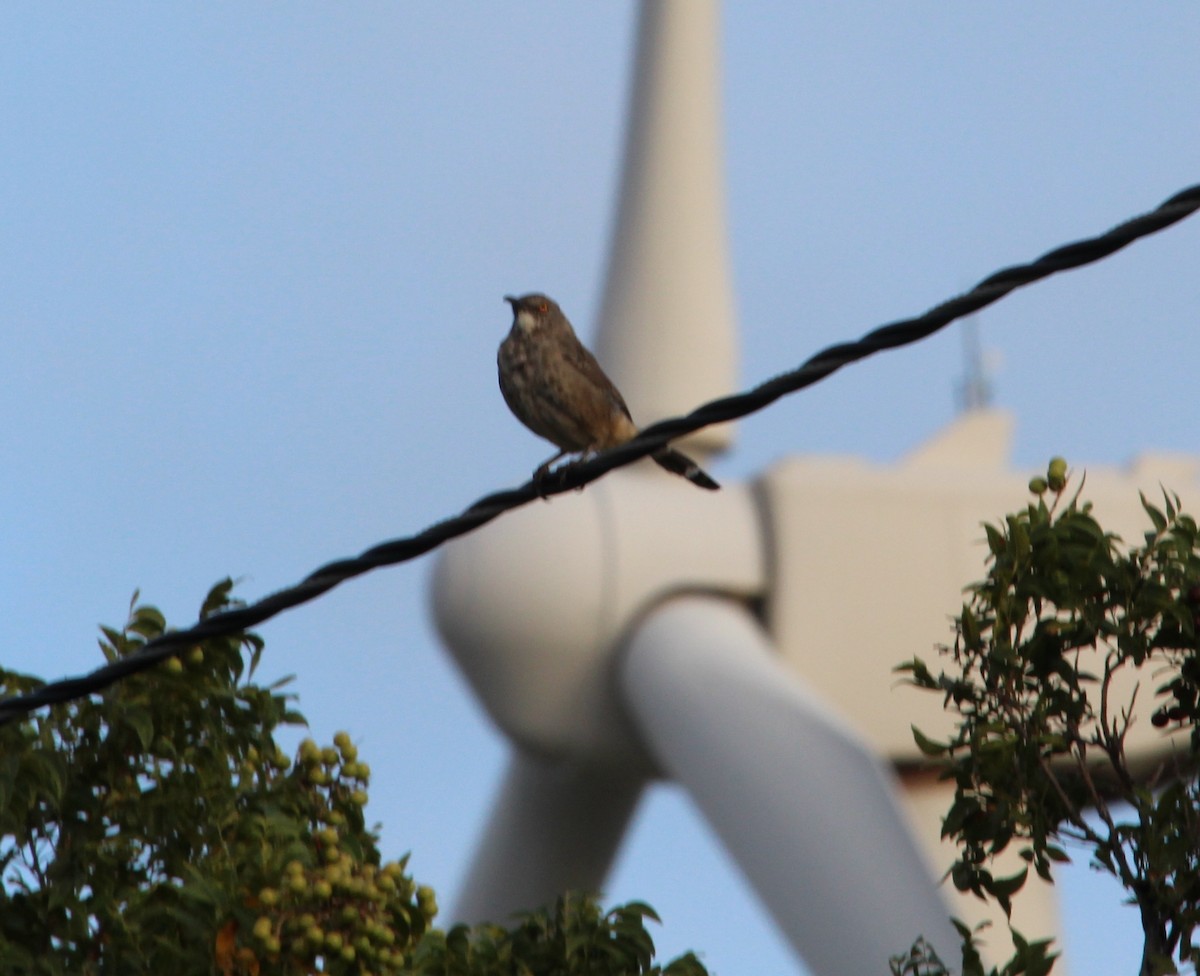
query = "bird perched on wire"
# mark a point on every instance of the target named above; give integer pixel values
(558, 390)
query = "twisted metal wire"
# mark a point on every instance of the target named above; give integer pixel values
(827, 361)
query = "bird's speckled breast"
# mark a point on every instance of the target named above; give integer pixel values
(533, 389)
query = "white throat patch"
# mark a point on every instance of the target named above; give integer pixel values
(526, 321)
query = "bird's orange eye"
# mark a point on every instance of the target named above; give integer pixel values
(543, 307)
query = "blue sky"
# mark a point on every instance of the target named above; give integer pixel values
(251, 278)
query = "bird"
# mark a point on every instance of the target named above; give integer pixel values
(555, 387)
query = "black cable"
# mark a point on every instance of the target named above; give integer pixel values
(891, 336)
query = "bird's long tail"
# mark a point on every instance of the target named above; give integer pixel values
(678, 463)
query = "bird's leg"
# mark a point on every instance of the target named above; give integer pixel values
(539, 476)
(544, 467)
(581, 456)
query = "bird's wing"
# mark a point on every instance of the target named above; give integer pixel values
(583, 362)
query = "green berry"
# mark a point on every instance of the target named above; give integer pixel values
(1056, 473)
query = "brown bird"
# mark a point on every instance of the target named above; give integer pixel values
(558, 390)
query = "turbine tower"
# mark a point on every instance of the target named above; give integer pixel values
(740, 643)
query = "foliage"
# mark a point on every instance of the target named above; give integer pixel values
(577, 938)
(160, 828)
(1066, 607)
(1029, 958)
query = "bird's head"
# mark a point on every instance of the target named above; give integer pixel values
(532, 312)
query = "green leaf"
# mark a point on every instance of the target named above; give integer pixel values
(140, 720)
(995, 539)
(1157, 517)
(148, 622)
(928, 746)
(1012, 884)
(642, 909)
(970, 628)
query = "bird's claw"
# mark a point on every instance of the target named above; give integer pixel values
(547, 477)
(539, 481)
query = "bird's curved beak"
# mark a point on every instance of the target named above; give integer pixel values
(512, 300)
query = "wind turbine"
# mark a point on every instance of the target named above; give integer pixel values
(642, 629)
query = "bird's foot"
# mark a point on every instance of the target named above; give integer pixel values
(540, 477)
(547, 477)
(576, 460)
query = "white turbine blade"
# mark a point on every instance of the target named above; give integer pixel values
(555, 827)
(804, 808)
